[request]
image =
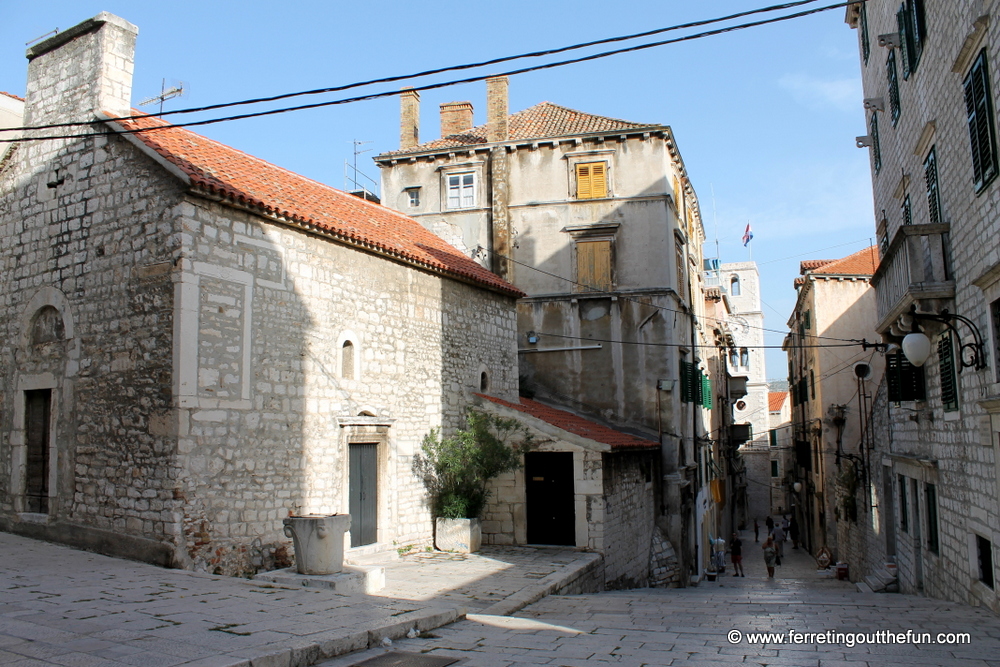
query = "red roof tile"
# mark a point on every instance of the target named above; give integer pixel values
(775, 400)
(19, 99)
(576, 424)
(811, 264)
(248, 180)
(862, 263)
(538, 122)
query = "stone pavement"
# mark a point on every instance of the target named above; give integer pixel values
(61, 606)
(692, 626)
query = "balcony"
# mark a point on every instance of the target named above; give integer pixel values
(914, 270)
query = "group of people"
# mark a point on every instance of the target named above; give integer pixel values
(774, 544)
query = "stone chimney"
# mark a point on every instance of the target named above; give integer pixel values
(496, 109)
(409, 118)
(456, 118)
(81, 71)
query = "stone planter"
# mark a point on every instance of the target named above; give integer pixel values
(461, 535)
(319, 542)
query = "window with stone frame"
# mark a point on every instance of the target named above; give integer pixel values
(413, 197)
(594, 265)
(876, 149)
(905, 381)
(912, 34)
(904, 506)
(930, 497)
(347, 360)
(949, 377)
(979, 115)
(461, 190)
(933, 191)
(774, 466)
(591, 180)
(893, 78)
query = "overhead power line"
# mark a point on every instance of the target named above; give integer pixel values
(434, 86)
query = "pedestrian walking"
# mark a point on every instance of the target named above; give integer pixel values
(770, 556)
(736, 551)
(769, 522)
(779, 541)
(756, 530)
(785, 523)
(793, 532)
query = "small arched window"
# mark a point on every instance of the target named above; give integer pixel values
(734, 286)
(347, 360)
(47, 326)
(484, 381)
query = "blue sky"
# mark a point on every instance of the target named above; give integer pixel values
(765, 118)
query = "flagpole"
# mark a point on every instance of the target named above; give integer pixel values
(749, 245)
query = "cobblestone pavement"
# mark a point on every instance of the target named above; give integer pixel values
(691, 626)
(62, 606)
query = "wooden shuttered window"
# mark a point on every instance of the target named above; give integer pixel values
(593, 265)
(982, 133)
(890, 70)
(902, 21)
(706, 392)
(949, 379)
(876, 148)
(906, 381)
(591, 180)
(910, 19)
(866, 45)
(685, 373)
(695, 386)
(933, 193)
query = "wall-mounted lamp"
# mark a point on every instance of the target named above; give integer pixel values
(532, 338)
(889, 40)
(797, 487)
(864, 141)
(875, 103)
(917, 346)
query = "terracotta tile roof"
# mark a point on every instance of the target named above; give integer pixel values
(576, 424)
(247, 180)
(19, 99)
(812, 264)
(775, 400)
(862, 263)
(538, 122)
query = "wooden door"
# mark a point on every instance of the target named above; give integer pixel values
(363, 504)
(550, 504)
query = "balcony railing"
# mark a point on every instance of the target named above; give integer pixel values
(914, 269)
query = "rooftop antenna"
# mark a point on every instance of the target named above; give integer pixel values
(355, 180)
(38, 39)
(165, 94)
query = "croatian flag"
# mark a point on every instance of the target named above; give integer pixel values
(747, 236)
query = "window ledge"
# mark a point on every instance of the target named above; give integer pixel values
(33, 517)
(953, 416)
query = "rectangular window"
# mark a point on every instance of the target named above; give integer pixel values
(866, 45)
(36, 436)
(995, 317)
(890, 70)
(461, 190)
(984, 554)
(706, 392)
(903, 23)
(774, 467)
(907, 211)
(591, 180)
(905, 381)
(679, 257)
(413, 197)
(593, 265)
(982, 133)
(883, 244)
(930, 495)
(933, 193)
(772, 437)
(912, 32)
(876, 149)
(949, 379)
(904, 506)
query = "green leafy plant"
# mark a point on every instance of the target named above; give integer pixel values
(457, 469)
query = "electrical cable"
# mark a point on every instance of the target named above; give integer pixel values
(392, 93)
(451, 68)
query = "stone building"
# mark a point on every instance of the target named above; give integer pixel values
(780, 443)
(596, 220)
(831, 382)
(11, 116)
(196, 343)
(746, 358)
(930, 76)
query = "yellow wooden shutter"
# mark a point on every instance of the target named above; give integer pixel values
(591, 180)
(593, 265)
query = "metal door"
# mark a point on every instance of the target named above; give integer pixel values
(36, 432)
(363, 504)
(550, 505)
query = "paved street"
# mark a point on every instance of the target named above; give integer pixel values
(691, 626)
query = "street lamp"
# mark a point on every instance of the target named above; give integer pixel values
(917, 346)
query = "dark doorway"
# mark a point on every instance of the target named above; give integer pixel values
(363, 494)
(36, 436)
(551, 512)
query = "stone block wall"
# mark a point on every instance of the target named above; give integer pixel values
(630, 510)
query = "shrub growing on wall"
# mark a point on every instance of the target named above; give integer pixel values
(457, 469)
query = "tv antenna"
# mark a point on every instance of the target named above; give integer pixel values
(356, 181)
(38, 39)
(165, 94)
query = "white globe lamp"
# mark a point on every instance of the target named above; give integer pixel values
(916, 348)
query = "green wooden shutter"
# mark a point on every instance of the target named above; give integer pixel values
(905, 381)
(876, 147)
(890, 71)
(696, 386)
(866, 45)
(706, 392)
(979, 112)
(949, 381)
(902, 19)
(933, 193)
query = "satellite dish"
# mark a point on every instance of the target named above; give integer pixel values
(862, 370)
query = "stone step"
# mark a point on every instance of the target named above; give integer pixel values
(864, 588)
(875, 584)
